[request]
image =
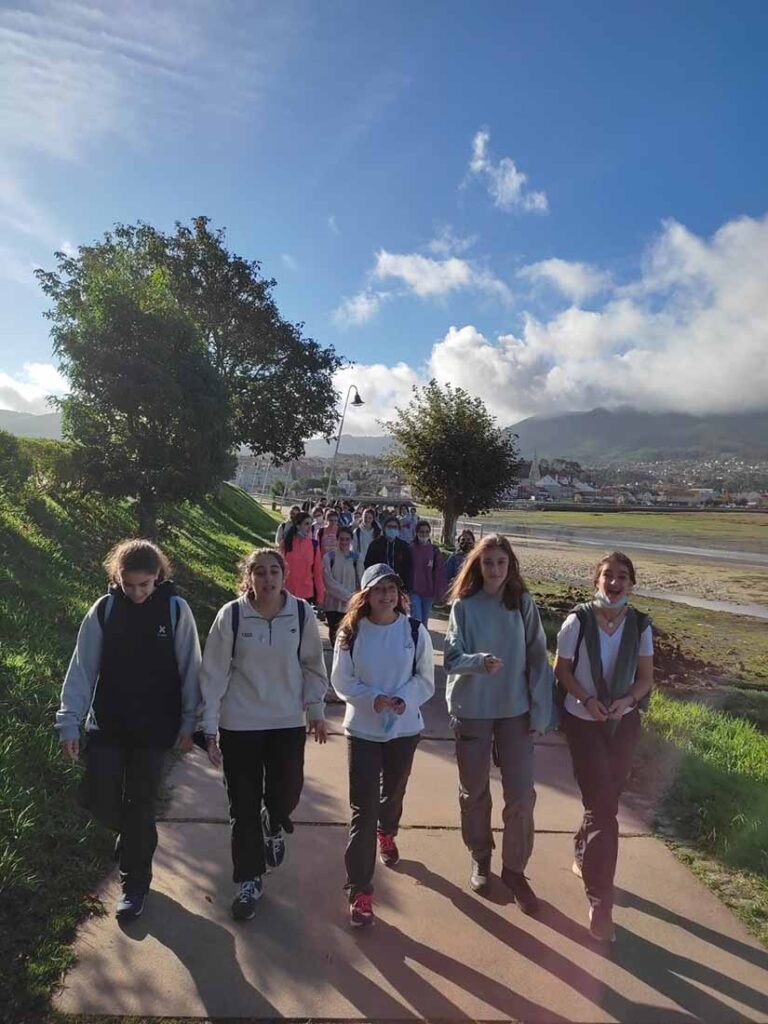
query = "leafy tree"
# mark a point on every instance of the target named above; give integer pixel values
(146, 409)
(449, 449)
(15, 463)
(278, 488)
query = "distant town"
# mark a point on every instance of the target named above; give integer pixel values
(686, 483)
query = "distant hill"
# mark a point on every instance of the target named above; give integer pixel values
(25, 424)
(605, 436)
(372, 445)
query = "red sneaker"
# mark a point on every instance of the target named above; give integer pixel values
(361, 910)
(389, 854)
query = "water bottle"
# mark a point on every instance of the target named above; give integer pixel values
(389, 717)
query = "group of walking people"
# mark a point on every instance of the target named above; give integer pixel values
(139, 683)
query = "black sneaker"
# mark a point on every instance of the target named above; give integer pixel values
(130, 906)
(524, 895)
(274, 844)
(480, 875)
(244, 904)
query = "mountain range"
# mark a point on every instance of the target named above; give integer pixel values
(599, 437)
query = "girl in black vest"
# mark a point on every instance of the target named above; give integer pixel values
(133, 680)
(605, 665)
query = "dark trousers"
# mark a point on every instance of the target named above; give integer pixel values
(120, 790)
(378, 775)
(334, 621)
(474, 742)
(260, 766)
(602, 760)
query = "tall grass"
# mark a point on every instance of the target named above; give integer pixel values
(51, 856)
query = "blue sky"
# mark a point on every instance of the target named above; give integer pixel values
(556, 205)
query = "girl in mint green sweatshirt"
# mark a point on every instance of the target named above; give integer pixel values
(499, 696)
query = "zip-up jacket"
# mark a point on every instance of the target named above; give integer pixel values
(394, 553)
(428, 570)
(303, 569)
(134, 680)
(363, 538)
(341, 577)
(277, 677)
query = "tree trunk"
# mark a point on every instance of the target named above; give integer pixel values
(449, 527)
(147, 516)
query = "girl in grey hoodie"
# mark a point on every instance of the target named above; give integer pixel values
(499, 692)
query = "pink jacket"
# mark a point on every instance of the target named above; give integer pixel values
(304, 569)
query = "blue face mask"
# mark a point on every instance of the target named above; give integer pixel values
(605, 602)
(391, 533)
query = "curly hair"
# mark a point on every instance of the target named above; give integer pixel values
(470, 578)
(137, 555)
(247, 565)
(359, 607)
(615, 556)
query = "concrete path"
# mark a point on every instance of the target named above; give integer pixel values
(437, 951)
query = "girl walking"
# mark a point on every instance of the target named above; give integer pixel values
(428, 573)
(263, 681)
(301, 556)
(383, 669)
(366, 532)
(465, 544)
(133, 680)
(388, 549)
(341, 578)
(605, 665)
(499, 696)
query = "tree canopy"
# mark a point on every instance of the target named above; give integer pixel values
(175, 351)
(449, 449)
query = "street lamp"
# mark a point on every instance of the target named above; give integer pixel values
(356, 401)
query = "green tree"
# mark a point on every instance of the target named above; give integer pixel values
(146, 409)
(279, 383)
(449, 449)
(278, 488)
(15, 463)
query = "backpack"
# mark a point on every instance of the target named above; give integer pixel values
(414, 624)
(107, 603)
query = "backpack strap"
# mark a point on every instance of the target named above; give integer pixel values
(415, 625)
(302, 609)
(104, 609)
(235, 626)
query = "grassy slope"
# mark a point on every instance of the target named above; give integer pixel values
(50, 855)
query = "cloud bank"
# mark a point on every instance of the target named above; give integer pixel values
(690, 334)
(28, 391)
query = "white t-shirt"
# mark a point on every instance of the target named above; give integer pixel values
(609, 652)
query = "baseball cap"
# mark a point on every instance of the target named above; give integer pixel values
(376, 573)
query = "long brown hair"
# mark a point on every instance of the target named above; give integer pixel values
(615, 556)
(247, 565)
(137, 556)
(470, 578)
(359, 607)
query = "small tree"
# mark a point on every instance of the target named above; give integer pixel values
(146, 409)
(449, 449)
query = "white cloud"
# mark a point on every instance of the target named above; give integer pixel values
(431, 279)
(506, 185)
(381, 388)
(577, 281)
(331, 222)
(289, 261)
(447, 243)
(27, 391)
(689, 335)
(359, 309)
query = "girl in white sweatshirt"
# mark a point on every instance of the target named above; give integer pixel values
(263, 681)
(383, 669)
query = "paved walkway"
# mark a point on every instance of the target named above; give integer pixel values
(437, 951)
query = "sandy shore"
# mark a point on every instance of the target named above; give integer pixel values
(553, 560)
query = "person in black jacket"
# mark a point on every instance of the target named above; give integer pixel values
(133, 679)
(390, 550)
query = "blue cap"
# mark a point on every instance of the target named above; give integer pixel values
(376, 573)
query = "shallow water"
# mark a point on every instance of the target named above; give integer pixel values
(755, 611)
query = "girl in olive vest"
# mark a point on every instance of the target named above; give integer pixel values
(605, 665)
(133, 680)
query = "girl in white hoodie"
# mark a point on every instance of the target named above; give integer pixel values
(383, 668)
(263, 681)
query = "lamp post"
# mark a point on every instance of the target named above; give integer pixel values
(356, 401)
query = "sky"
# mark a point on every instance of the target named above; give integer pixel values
(554, 205)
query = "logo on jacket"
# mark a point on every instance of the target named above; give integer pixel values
(162, 631)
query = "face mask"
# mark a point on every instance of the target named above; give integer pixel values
(423, 540)
(605, 602)
(391, 533)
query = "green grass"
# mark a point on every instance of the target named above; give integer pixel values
(51, 856)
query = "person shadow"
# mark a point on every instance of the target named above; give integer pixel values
(207, 952)
(654, 965)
